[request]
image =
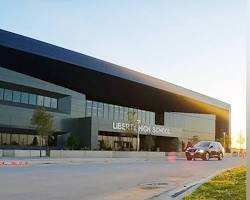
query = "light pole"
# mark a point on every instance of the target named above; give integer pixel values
(138, 134)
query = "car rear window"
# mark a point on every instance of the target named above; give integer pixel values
(202, 144)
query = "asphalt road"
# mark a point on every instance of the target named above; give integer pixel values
(95, 179)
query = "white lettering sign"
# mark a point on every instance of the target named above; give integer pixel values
(143, 129)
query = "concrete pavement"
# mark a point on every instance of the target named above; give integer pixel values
(111, 179)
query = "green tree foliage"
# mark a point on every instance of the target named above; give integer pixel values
(225, 141)
(241, 140)
(131, 132)
(43, 123)
(195, 139)
(72, 142)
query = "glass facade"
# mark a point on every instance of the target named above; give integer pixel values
(94, 108)
(27, 98)
(100, 110)
(16, 96)
(7, 95)
(1, 93)
(106, 111)
(40, 100)
(47, 102)
(111, 112)
(20, 139)
(88, 108)
(117, 113)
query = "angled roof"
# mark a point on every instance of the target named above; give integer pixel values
(35, 47)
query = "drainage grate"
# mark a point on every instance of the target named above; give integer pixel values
(182, 191)
(153, 185)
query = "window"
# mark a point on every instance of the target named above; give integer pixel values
(135, 114)
(88, 108)
(53, 103)
(23, 140)
(121, 113)
(139, 115)
(8, 139)
(94, 109)
(151, 120)
(147, 117)
(16, 96)
(25, 98)
(111, 112)
(100, 110)
(125, 113)
(1, 93)
(116, 113)
(106, 111)
(47, 102)
(40, 100)
(14, 139)
(32, 99)
(7, 95)
(143, 116)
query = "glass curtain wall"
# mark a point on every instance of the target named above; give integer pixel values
(117, 113)
(27, 98)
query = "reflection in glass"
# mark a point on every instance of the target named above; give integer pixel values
(119, 113)
(100, 110)
(106, 111)
(121, 118)
(153, 118)
(139, 115)
(47, 102)
(53, 103)
(125, 113)
(40, 100)
(25, 98)
(94, 109)
(88, 108)
(7, 95)
(146, 117)
(1, 93)
(111, 112)
(16, 96)
(143, 116)
(14, 139)
(32, 99)
(135, 114)
(116, 113)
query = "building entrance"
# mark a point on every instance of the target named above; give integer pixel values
(116, 141)
(158, 143)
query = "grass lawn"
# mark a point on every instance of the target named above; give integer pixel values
(229, 185)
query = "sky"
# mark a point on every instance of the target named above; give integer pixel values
(197, 44)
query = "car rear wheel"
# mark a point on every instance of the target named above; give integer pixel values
(220, 156)
(206, 156)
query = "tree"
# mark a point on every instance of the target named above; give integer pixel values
(72, 142)
(130, 131)
(195, 139)
(225, 141)
(43, 123)
(241, 140)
